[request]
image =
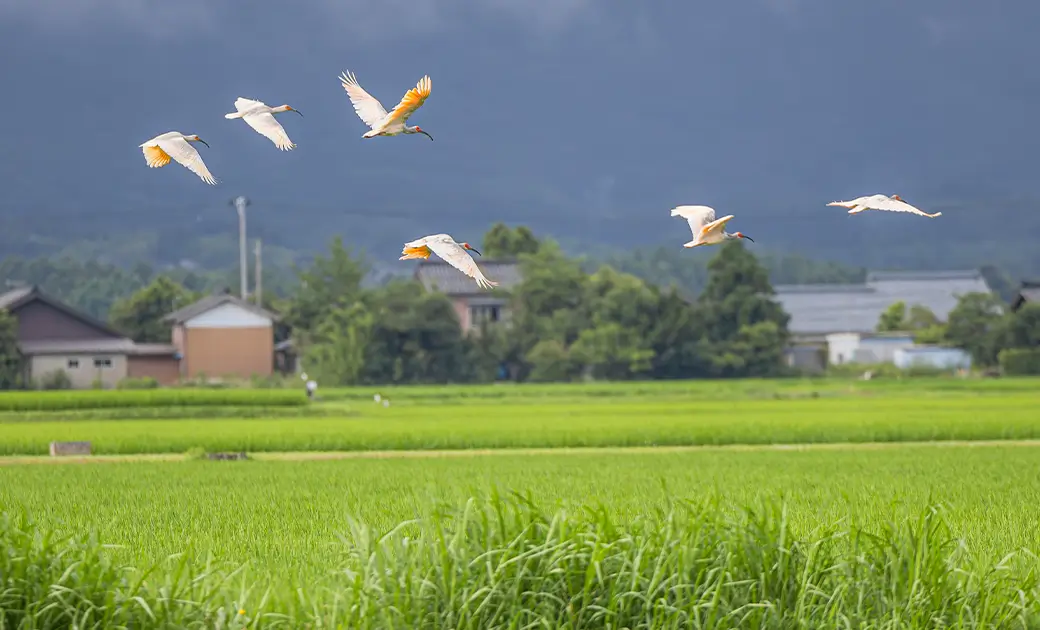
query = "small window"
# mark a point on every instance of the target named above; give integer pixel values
(102, 362)
(73, 364)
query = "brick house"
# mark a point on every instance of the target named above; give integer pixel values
(472, 304)
(223, 336)
(53, 336)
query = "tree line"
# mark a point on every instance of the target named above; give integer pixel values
(567, 319)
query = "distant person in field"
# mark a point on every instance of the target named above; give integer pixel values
(311, 386)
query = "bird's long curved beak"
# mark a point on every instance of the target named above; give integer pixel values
(427, 135)
(204, 142)
(297, 111)
(473, 249)
(749, 238)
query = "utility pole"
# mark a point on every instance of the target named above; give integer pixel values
(240, 204)
(258, 283)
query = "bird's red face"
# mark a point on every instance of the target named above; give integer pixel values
(419, 129)
(897, 197)
(471, 248)
(742, 235)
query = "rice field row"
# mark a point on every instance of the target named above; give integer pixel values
(724, 389)
(303, 524)
(621, 422)
(53, 401)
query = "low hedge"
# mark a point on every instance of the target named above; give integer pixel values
(1020, 361)
(114, 399)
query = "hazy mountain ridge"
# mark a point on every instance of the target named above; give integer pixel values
(587, 127)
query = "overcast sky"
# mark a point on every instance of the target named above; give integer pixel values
(580, 117)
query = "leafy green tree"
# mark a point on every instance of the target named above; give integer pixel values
(550, 362)
(976, 325)
(415, 337)
(10, 357)
(1023, 328)
(739, 297)
(611, 351)
(920, 318)
(501, 241)
(676, 335)
(335, 352)
(330, 282)
(668, 266)
(549, 303)
(140, 315)
(893, 319)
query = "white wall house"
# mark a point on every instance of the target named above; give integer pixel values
(843, 348)
(933, 357)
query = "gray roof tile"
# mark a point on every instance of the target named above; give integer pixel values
(211, 302)
(436, 275)
(820, 309)
(1028, 292)
(15, 295)
(94, 346)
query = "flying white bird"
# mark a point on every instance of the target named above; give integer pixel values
(453, 253)
(894, 203)
(261, 118)
(372, 113)
(174, 144)
(706, 230)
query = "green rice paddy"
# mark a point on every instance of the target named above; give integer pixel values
(846, 534)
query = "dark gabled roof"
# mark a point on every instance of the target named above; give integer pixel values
(211, 302)
(437, 275)
(1028, 292)
(17, 298)
(96, 346)
(820, 308)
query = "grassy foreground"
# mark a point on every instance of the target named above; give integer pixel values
(509, 564)
(282, 517)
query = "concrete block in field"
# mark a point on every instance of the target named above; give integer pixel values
(69, 448)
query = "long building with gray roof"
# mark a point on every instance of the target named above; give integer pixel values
(820, 309)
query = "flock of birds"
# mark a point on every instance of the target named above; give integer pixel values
(706, 229)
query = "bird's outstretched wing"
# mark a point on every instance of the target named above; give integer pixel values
(267, 126)
(454, 255)
(368, 109)
(180, 150)
(155, 156)
(246, 104)
(715, 226)
(411, 101)
(896, 205)
(697, 216)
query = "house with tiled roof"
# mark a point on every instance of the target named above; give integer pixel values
(54, 337)
(223, 335)
(817, 310)
(1028, 293)
(472, 304)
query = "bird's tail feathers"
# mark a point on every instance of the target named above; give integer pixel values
(412, 253)
(233, 115)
